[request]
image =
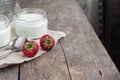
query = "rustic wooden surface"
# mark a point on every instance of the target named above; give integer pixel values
(79, 56)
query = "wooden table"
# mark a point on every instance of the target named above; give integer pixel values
(79, 56)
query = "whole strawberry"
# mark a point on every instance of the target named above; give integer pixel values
(30, 48)
(47, 42)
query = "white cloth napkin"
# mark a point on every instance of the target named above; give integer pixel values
(18, 57)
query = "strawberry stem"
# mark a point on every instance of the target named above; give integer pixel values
(29, 46)
(48, 42)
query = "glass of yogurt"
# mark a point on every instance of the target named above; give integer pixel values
(5, 31)
(31, 22)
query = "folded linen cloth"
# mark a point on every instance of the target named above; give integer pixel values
(18, 57)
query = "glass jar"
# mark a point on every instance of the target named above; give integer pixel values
(5, 31)
(31, 22)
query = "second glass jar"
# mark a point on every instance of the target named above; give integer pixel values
(31, 22)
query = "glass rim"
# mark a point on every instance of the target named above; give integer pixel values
(7, 21)
(30, 10)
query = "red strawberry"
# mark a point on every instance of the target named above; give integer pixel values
(30, 48)
(47, 42)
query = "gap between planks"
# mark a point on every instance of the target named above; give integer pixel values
(19, 72)
(66, 60)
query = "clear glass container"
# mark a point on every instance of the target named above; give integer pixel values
(5, 31)
(31, 22)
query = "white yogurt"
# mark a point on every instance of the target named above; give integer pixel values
(5, 31)
(31, 25)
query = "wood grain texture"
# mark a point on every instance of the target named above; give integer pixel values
(86, 57)
(9, 73)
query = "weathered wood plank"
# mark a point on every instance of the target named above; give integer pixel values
(50, 66)
(9, 73)
(86, 56)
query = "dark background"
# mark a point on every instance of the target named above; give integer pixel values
(112, 29)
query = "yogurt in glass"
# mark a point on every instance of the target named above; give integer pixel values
(5, 31)
(31, 22)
